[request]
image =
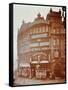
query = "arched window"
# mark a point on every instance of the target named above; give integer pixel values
(55, 41)
(56, 53)
(54, 31)
(46, 28)
(40, 30)
(43, 29)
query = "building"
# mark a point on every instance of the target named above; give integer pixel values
(41, 46)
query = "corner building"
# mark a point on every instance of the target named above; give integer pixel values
(41, 46)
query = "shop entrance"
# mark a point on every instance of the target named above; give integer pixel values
(39, 65)
(33, 73)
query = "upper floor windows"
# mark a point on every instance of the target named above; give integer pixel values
(55, 31)
(62, 30)
(46, 28)
(38, 30)
(56, 53)
(55, 42)
(40, 35)
(39, 44)
(43, 29)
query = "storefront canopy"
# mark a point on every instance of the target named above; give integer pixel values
(24, 65)
(40, 61)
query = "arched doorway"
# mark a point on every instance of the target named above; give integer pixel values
(39, 65)
(58, 70)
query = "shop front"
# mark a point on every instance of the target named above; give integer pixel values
(24, 70)
(40, 70)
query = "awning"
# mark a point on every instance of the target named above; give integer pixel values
(24, 65)
(40, 62)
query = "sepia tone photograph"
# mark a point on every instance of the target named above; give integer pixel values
(39, 44)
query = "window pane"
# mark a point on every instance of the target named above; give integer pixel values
(56, 54)
(43, 29)
(47, 29)
(39, 44)
(39, 36)
(40, 30)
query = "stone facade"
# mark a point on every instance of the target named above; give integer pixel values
(41, 46)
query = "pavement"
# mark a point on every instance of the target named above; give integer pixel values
(26, 81)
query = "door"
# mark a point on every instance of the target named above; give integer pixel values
(33, 73)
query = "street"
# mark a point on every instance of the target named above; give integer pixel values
(25, 81)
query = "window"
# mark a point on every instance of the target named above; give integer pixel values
(43, 29)
(53, 30)
(62, 48)
(33, 31)
(34, 44)
(56, 42)
(62, 30)
(39, 44)
(57, 31)
(36, 30)
(46, 28)
(40, 30)
(56, 53)
(44, 43)
(39, 36)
